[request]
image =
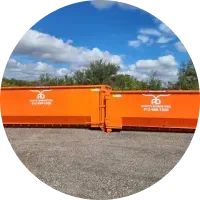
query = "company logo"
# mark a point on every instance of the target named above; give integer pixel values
(156, 100)
(41, 98)
(40, 93)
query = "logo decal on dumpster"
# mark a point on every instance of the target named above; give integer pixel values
(156, 102)
(41, 98)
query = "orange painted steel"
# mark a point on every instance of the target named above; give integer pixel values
(99, 106)
(54, 106)
(152, 109)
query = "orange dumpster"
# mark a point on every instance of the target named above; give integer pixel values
(54, 106)
(152, 110)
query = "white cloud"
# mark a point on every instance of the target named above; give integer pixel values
(163, 34)
(132, 67)
(144, 39)
(70, 41)
(31, 71)
(156, 20)
(164, 61)
(150, 31)
(102, 4)
(165, 29)
(105, 4)
(151, 41)
(168, 52)
(135, 73)
(180, 47)
(168, 60)
(165, 67)
(47, 47)
(164, 40)
(134, 43)
(141, 39)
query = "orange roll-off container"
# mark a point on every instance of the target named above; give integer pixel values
(152, 110)
(54, 106)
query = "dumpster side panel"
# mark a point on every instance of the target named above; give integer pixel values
(153, 109)
(48, 106)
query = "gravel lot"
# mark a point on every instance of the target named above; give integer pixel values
(93, 165)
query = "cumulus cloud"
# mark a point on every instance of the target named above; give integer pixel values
(165, 29)
(31, 71)
(180, 47)
(160, 35)
(164, 40)
(168, 52)
(46, 47)
(143, 38)
(163, 33)
(134, 43)
(150, 31)
(165, 68)
(163, 46)
(156, 20)
(102, 4)
(105, 4)
(43, 46)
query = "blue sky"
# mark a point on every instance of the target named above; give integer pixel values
(69, 38)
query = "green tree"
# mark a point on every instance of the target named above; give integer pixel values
(79, 78)
(187, 77)
(6, 82)
(101, 72)
(68, 80)
(153, 83)
(125, 82)
(46, 79)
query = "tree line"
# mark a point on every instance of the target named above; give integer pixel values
(100, 72)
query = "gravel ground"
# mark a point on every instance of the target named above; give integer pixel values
(94, 165)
